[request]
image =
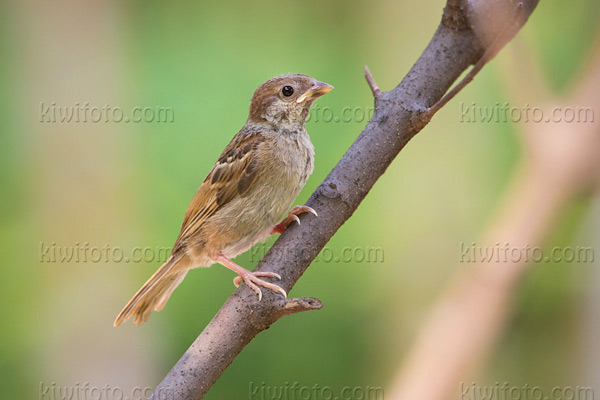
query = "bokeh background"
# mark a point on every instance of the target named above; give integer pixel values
(128, 185)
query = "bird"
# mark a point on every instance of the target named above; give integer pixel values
(250, 188)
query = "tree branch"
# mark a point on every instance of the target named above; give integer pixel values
(399, 115)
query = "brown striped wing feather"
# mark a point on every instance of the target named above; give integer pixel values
(232, 175)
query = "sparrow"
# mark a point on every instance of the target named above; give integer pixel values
(248, 190)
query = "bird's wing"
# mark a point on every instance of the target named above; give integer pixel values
(232, 175)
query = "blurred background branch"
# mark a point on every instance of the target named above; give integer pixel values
(398, 116)
(562, 162)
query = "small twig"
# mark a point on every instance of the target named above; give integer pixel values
(503, 37)
(293, 306)
(371, 82)
(266, 313)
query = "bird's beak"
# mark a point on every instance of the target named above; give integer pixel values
(318, 89)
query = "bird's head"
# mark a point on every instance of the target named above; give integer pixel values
(286, 99)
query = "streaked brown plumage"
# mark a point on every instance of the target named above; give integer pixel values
(250, 188)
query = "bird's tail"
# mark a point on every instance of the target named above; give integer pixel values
(154, 294)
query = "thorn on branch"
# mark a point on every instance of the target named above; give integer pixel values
(371, 82)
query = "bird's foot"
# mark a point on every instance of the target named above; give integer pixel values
(292, 216)
(252, 279)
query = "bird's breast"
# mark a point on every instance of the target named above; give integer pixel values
(294, 157)
(283, 168)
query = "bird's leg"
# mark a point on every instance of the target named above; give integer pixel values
(292, 216)
(252, 279)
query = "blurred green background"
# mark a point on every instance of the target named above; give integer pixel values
(128, 185)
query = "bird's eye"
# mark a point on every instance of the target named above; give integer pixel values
(287, 91)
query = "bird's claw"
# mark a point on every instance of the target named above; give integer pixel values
(292, 216)
(296, 210)
(295, 217)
